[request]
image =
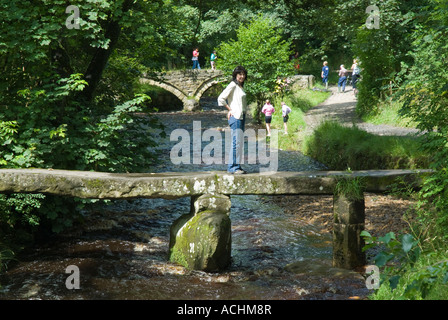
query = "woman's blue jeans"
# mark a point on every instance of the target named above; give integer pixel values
(237, 135)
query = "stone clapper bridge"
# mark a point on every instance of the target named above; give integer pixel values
(201, 239)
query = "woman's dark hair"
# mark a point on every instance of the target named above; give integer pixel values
(239, 70)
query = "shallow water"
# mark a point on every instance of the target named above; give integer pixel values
(122, 254)
(121, 251)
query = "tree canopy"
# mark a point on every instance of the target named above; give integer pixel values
(260, 48)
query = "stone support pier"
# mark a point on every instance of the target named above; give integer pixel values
(201, 240)
(348, 223)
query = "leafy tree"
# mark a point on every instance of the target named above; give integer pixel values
(265, 55)
(61, 106)
(383, 51)
(423, 92)
(319, 30)
(425, 100)
(185, 24)
(51, 79)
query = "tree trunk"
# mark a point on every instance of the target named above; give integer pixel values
(99, 60)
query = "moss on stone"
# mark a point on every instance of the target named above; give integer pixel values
(94, 183)
(202, 242)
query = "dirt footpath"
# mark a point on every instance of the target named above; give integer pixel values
(384, 213)
(341, 107)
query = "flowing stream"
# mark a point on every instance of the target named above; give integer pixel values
(121, 250)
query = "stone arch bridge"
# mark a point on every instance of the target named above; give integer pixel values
(189, 85)
(201, 239)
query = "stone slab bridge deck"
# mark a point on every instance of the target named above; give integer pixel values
(201, 239)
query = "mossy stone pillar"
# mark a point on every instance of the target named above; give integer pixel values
(201, 240)
(349, 221)
(191, 104)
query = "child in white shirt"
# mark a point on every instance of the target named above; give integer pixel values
(285, 113)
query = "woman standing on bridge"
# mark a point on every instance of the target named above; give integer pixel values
(234, 99)
(196, 59)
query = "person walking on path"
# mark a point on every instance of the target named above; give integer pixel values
(213, 59)
(342, 109)
(324, 74)
(234, 99)
(268, 110)
(342, 78)
(285, 113)
(196, 59)
(355, 75)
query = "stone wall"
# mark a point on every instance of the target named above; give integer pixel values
(302, 81)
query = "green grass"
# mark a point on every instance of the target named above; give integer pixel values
(350, 187)
(341, 148)
(388, 113)
(299, 102)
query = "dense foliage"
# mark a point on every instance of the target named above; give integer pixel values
(341, 148)
(70, 90)
(265, 55)
(60, 105)
(425, 98)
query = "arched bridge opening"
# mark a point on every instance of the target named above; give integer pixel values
(187, 85)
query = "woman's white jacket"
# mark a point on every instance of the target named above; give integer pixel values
(236, 99)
